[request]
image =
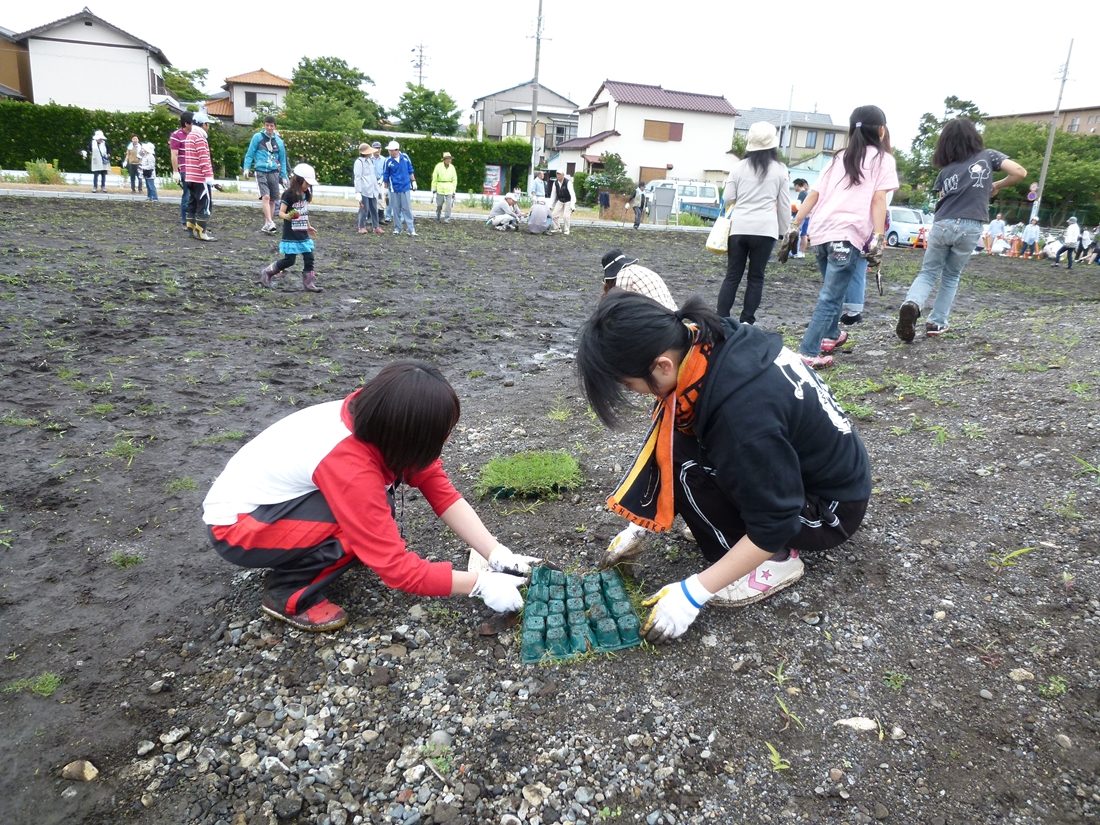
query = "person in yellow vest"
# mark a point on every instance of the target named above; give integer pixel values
(444, 185)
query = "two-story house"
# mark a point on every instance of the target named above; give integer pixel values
(15, 67)
(508, 112)
(658, 133)
(237, 103)
(801, 134)
(1084, 120)
(83, 60)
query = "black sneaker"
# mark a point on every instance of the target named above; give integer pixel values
(907, 322)
(848, 320)
(932, 330)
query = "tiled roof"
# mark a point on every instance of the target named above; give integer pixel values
(260, 77)
(777, 117)
(584, 142)
(222, 107)
(639, 94)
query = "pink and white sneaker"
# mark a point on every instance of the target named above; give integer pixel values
(766, 580)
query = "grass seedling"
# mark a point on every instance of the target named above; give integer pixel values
(124, 561)
(183, 484)
(788, 716)
(10, 419)
(973, 431)
(559, 412)
(44, 684)
(440, 757)
(222, 437)
(1067, 507)
(1081, 389)
(894, 680)
(778, 763)
(1087, 468)
(541, 474)
(1008, 559)
(1068, 580)
(475, 374)
(125, 448)
(1056, 686)
(780, 677)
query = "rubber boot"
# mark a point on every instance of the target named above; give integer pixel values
(309, 282)
(201, 232)
(268, 274)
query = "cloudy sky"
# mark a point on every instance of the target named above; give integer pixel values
(1001, 56)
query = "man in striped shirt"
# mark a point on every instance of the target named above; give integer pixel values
(177, 151)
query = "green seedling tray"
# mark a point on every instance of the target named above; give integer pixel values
(567, 616)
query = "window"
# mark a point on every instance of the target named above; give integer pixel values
(1074, 124)
(250, 100)
(662, 130)
(811, 138)
(829, 140)
(156, 84)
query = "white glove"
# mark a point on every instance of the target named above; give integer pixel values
(414, 186)
(499, 591)
(359, 197)
(626, 545)
(209, 181)
(675, 607)
(503, 560)
(873, 252)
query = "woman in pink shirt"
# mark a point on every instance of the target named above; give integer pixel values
(848, 205)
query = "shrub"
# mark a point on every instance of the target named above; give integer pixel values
(39, 171)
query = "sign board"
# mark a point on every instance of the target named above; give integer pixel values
(494, 180)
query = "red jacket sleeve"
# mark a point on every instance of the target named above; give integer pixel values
(432, 481)
(353, 481)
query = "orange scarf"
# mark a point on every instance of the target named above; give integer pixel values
(645, 495)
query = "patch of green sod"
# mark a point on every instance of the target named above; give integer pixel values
(540, 474)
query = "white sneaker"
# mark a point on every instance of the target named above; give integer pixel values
(766, 580)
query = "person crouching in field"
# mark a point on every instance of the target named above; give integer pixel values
(313, 496)
(747, 444)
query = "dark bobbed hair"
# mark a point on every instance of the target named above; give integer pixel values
(860, 138)
(625, 335)
(407, 411)
(761, 159)
(297, 184)
(959, 140)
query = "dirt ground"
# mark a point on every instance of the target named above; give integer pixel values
(136, 361)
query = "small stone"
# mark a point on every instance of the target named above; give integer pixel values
(939, 615)
(287, 807)
(157, 686)
(985, 694)
(881, 811)
(836, 775)
(1064, 741)
(144, 746)
(896, 733)
(175, 735)
(265, 719)
(80, 771)
(709, 640)
(535, 794)
(584, 795)
(440, 738)
(1018, 674)
(415, 773)
(369, 736)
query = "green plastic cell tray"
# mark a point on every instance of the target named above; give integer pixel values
(566, 616)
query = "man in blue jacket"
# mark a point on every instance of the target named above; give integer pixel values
(267, 156)
(400, 179)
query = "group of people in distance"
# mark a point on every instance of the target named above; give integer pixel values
(747, 444)
(139, 160)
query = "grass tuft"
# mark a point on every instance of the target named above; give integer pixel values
(541, 474)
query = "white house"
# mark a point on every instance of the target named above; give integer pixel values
(237, 103)
(508, 112)
(85, 61)
(659, 133)
(801, 134)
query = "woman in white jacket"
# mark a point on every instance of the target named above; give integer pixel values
(100, 161)
(366, 190)
(759, 190)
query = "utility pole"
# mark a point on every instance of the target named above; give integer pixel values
(1050, 136)
(418, 63)
(535, 102)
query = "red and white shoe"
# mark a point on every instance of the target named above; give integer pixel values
(320, 618)
(830, 344)
(766, 580)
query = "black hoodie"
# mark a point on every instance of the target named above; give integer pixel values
(772, 434)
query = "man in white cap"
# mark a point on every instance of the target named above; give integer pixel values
(504, 215)
(1069, 244)
(564, 201)
(400, 177)
(444, 184)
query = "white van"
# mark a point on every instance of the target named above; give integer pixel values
(687, 191)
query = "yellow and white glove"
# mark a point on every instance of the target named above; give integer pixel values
(627, 544)
(503, 560)
(499, 591)
(675, 607)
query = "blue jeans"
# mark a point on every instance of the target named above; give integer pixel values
(950, 244)
(401, 204)
(368, 213)
(151, 188)
(185, 199)
(853, 297)
(839, 263)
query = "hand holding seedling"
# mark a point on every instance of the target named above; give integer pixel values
(675, 607)
(503, 560)
(626, 545)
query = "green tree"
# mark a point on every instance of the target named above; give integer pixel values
(924, 144)
(739, 145)
(262, 109)
(323, 88)
(1072, 185)
(185, 85)
(422, 110)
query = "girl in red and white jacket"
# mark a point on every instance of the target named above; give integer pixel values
(313, 495)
